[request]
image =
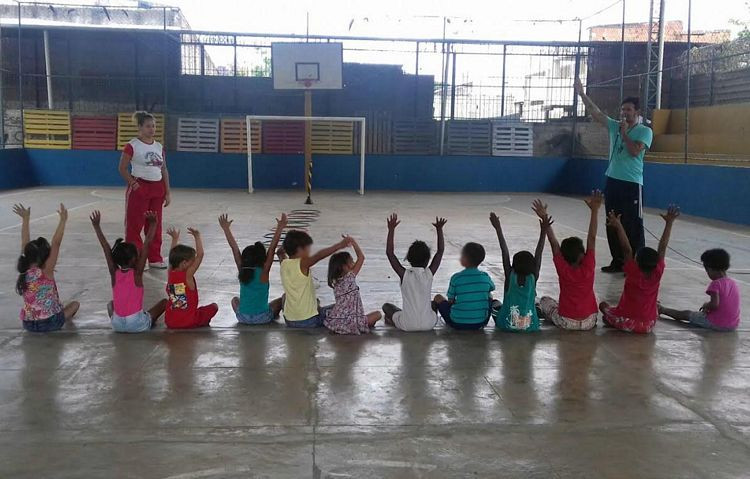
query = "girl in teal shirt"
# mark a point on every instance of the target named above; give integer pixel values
(518, 310)
(253, 268)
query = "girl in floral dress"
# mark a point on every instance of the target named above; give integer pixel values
(347, 315)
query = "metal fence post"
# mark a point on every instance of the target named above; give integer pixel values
(165, 45)
(453, 88)
(416, 81)
(502, 85)
(20, 74)
(687, 81)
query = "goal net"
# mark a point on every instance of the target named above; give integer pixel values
(308, 135)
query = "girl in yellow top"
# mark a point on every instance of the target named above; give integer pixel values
(300, 304)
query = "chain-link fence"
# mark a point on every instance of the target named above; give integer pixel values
(150, 59)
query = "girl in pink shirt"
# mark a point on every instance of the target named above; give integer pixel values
(42, 310)
(126, 267)
(722, 311)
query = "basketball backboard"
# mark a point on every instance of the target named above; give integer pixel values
(306, 66)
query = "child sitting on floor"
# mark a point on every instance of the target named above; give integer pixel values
(347, 315)
(517, 313)
(183, 311)
(254, 268)
(126, 265)
(469, 301)
(637, 310)
(416, 282)
(575, 265)
(722, 312)
(300, 303)
(42, 310)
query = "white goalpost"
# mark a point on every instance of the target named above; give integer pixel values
(351, 119)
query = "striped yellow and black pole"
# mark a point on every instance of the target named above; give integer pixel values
(308, 147)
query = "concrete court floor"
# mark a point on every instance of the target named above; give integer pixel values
(234, 401)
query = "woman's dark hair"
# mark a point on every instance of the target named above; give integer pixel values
(123, 254)
(715, 259)
(336, 266)
(474, 253)
(647, 259)
(140, 117)
(572, 249)
(418, 254)
(253, 257)
(36, 253)
(295, 240)
(523, 265)
(180, 253)
(636, 102)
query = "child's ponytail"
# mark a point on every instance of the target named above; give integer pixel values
(36, 253)
(253, 258)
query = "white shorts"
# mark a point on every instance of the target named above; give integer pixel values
(135, 323)
(408, 324)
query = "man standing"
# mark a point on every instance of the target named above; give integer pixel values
(628, 141)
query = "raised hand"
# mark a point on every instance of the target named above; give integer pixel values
(151, 217)
(349, 240)
(578, 86)
(494, 221)
(194, 233)
(546, 222)
(224, 222)
(174, 233)
(393, 221)
(281, 222)
(613, 220)
(439, 223)
(96, 218)
(63, 212)
(539, 208)
(673, 212)
(595, 201)
(22, 211)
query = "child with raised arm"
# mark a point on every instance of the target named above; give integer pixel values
(469, 302)
(254, 268)
(183, 311)
(722, 311)
(517, 313)
(577, 309)
(416, 282)
(300, 303)
(126, 265)
(42, 310)
(347, 315)
(637, 310)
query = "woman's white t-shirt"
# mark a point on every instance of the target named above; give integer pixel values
(147, 160)
(416, 293)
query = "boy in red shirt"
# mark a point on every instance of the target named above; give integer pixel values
(637, 310)
(577, 309)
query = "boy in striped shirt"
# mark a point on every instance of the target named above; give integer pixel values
(469, 301)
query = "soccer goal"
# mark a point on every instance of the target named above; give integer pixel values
(329, 135)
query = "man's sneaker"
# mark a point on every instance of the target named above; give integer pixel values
(612, 268)
(157, 265)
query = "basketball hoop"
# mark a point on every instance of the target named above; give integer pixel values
(307, 83)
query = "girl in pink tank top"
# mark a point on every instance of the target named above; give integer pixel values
(126, 265)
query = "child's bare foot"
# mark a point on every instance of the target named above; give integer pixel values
(71, 309)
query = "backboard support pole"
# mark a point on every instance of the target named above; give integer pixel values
(308, 147)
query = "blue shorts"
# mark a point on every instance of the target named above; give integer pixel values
(699, 318)
(53, 323)
(261, 318)
(314, 322)
(444, 309)
(135, 323)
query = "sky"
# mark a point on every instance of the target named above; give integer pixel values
(496, 20)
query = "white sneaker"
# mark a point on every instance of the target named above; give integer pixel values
(159, 265)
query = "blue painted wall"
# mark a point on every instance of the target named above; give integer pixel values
(710, 191)
(16, 169)
(717, 192)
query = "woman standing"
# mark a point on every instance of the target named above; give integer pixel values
(148, 185)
